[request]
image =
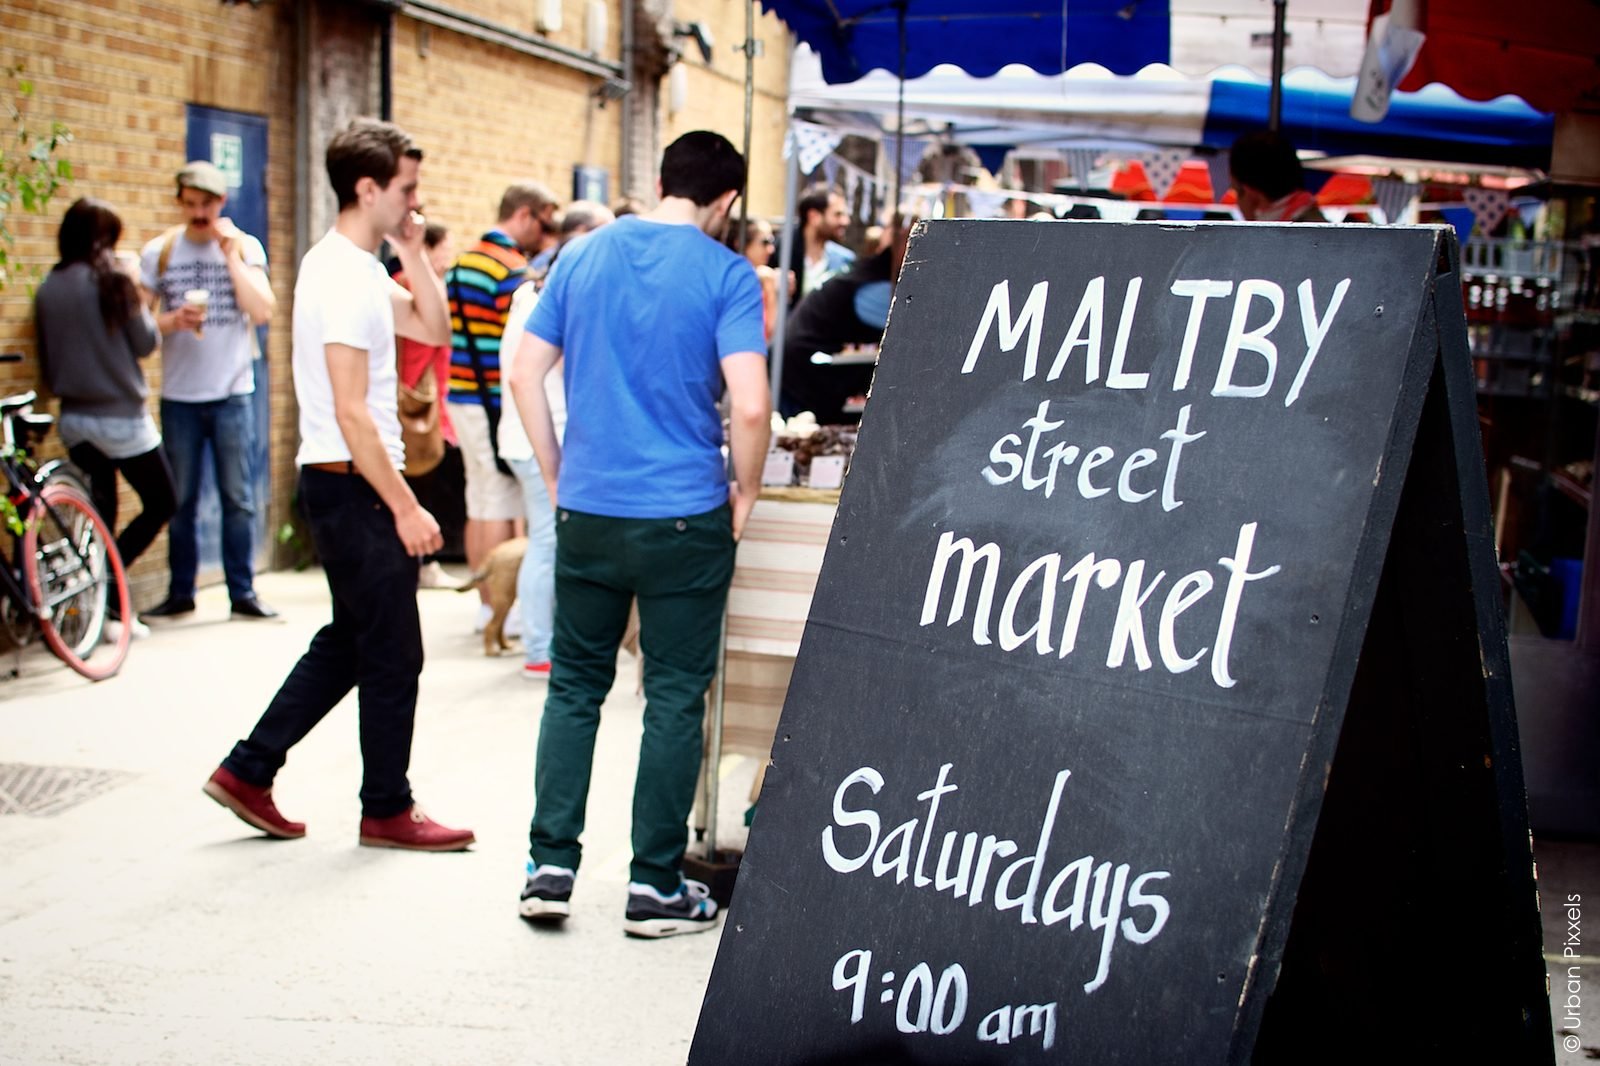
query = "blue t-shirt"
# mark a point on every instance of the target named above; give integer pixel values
(644, 312)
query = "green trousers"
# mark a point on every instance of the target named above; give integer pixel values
(679, 570)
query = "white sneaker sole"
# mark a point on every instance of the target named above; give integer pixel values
(544, 910)
(657, 928)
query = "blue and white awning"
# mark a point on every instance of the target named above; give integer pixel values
(855, 37)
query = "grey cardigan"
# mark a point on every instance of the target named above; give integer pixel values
(93, 370)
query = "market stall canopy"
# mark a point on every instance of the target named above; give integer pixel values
(854, 37)
(1547, 52)
(1090, 107)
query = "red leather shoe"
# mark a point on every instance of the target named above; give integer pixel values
(413, 831)
(253, 804)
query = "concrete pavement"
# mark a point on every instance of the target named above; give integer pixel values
(146, 924)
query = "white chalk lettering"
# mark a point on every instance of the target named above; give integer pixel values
(1239, 573)
(1090, 316)
(1027, 460)
(971, 555)
(1127, 629)
(1107, 896)
(999, 308)
(1116, 377)
(1185, 593)
(1129, 626)
(1198, 292)
(1253, 340)
(1316, 331)
(842, 817)
(1010, 639)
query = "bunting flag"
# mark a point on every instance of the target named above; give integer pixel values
(1335, 214)
(1461, 218)
(1080, 163)
(813, 143)
(1162, 169)
(1489, 206)
(1528, 211)
(1394, 198)
(1221, 174)
(910, 161)
(830, 171)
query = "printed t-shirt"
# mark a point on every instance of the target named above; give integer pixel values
(220, 362)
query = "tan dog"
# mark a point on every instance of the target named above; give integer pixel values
(498, 577)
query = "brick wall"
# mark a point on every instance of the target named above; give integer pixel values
(715, 92)
(486, 116)
(118, 73)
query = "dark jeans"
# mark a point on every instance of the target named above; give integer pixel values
(149, 477)
(373, 644)
(229, 426)
(679, 570)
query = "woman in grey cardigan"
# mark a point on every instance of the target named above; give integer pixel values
(92, 331)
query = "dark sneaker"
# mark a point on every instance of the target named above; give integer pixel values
(547, 895)
(253, 804)
(250, 607)
(170, 608)
(688, 910)
(413, 831)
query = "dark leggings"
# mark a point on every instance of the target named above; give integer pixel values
(150, 477)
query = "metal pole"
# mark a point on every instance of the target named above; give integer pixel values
(791, 185)
(719, 692)
(900, 117)
(749, 50)
(1279, 40)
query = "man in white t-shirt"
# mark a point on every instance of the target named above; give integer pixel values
(368, 528)
(208, 281)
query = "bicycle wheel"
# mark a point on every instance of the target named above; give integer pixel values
(72, 567)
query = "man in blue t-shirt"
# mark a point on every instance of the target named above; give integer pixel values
(654, 318)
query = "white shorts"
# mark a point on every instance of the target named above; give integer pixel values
(491, 495)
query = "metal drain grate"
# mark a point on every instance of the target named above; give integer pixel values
(43, 791)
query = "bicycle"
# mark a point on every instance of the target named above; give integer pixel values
(63, 564)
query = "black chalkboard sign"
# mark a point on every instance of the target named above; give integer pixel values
(1153, 705)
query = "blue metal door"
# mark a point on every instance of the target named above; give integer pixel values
(237, 144)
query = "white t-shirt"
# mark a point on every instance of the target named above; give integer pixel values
(342, 296)
(513, 439)
(218, 363)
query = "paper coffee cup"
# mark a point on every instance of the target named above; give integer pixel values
(198, 298)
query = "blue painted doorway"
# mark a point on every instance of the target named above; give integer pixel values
(237, 143)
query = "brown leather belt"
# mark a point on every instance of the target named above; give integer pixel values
(343, 466)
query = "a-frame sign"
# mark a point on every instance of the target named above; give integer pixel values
(1153, 705)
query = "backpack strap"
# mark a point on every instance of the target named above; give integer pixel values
(168, 239)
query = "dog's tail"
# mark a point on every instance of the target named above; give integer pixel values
(472, 582)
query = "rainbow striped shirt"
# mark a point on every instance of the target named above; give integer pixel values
(479, 285)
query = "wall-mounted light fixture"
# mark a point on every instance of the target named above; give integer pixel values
(699, 32)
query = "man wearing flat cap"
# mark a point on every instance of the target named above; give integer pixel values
(208, 281)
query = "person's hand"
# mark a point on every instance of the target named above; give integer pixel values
(183, 317)
(418, 531)
(228, 236)
(741, 505)
(407, 237)
(550, 487)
